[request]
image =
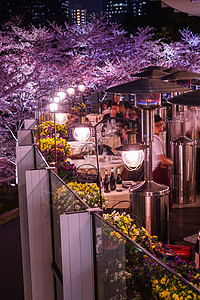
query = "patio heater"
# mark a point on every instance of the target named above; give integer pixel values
(150, 200)
(182, 78)
(184, 154)
(156, 72)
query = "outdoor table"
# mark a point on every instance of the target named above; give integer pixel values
(75, 146)
(107, 164)
(114, 197)
(112, 141)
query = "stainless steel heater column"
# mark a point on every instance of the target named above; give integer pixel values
(183, 151)
(150, 201)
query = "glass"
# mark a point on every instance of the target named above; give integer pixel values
(125, 270)
(40, 160)
(150, 101)
(63, 200)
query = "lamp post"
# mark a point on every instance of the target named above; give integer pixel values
(53, 108)
(71, 91)
(132, 153)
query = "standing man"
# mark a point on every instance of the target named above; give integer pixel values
(160, 162)
(117, 98)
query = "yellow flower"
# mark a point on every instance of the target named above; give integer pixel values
(162, 281)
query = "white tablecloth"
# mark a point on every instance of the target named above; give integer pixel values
(103, 165)
(114, 197)
(112, 141)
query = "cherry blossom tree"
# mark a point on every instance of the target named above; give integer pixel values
(35, 62)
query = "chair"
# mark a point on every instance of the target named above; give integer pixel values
(88, 149)
(87, 173)
(107, 148)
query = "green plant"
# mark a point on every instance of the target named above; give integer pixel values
(64, 200)
(67, 171)
(48, 129)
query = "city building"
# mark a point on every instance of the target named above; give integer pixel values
(118, 9)
(65, 8)
(78, 14)
(35, 11)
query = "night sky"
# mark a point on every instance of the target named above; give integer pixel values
(91, 5)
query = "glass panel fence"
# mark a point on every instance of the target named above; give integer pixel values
(31, 124)
(39, 159)
(125, 270)
(63, 200)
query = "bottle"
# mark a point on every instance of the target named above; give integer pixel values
(119, 181)
(112, 180)
(106, 183)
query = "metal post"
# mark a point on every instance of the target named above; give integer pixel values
(148, 130)
(98, 169)
(183, 120)
(55, 136)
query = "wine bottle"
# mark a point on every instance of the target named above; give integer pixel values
(106, 183)
(112, 180)
(119, 181)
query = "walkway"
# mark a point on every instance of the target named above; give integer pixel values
(11, 282)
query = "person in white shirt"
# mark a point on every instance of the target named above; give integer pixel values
(160, 162)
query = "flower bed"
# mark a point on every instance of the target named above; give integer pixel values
(79, 109)
(67, 171)
(47, 146)
(48, 129)
(89, 193)
(126, 269)
(161, 283)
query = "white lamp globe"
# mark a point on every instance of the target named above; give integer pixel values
(61, 118)
(70, 90)
(133, 159)
(81, 87)
(81, 134)
(53, 107)
(56, 99)
(61, 95)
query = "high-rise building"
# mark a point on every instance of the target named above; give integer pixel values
(78, 14)
(35, 11)
(65, 8)
(116, 10)
(91, 15)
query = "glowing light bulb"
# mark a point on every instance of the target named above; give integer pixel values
(70, 90)
(81, 87)
(133, 159)
(81, 134)
(61, 95)
(61, 118)
(56, 99)
(53, 107)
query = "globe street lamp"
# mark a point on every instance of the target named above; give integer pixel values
(82, 133)
(81, 87)
(61, 94)
(53, 108)
(132, 152)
